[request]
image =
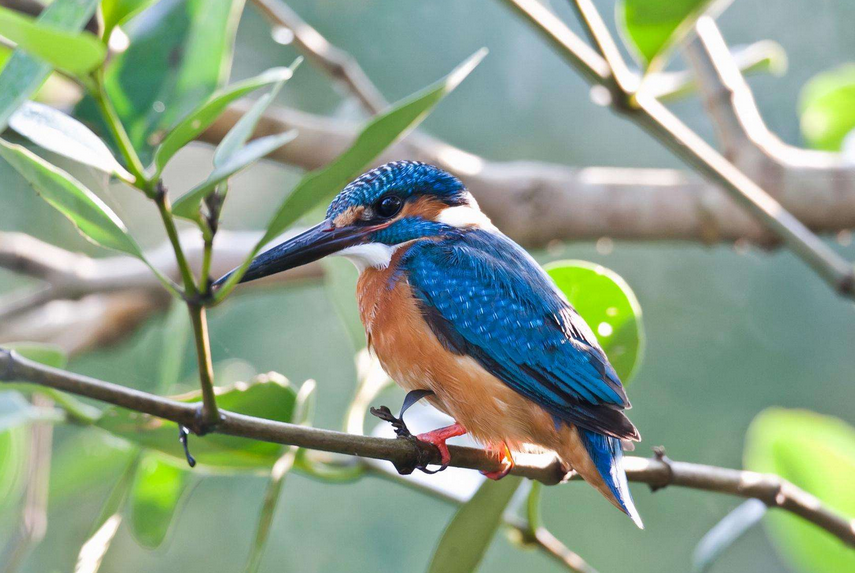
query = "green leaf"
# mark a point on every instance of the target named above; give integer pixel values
(243, 129)
(82, 207)
(187, 205)
(23, 74)
(78, 53)
(609, 307)
(158, 490)
(470, 532)
(321, 185)
(60, 133)
(14, 452)
(116, 12)
(651, 28)
(817, 454)
(267, 396)
(202, 117)
(176, 337)
(180, 52)
(827, 108)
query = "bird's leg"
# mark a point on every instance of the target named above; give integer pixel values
(504, 454)
(401, 429)
(438, 438)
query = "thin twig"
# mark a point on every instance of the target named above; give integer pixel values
(658, 473)
(544, 540)
(337, 63)
(651, 115)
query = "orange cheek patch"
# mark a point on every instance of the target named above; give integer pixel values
(349, 216)
(424, 207)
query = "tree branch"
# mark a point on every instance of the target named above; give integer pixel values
(654, 118)
(658, 473)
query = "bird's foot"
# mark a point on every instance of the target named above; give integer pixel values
(438, 438)
(398, 424)
(504, 454)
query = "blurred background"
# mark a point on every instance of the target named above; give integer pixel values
(730, 331)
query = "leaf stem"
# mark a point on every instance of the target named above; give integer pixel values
(134, 164)
(210, 412)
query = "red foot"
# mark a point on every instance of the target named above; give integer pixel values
(439, 436)
(507, 461)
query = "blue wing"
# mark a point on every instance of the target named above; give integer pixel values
(484, 296)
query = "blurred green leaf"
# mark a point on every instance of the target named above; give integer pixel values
(322, 184)
(271, 499)
(651, 28)
(180, 52)
(473, 527)
(187, 205)
(14, 453)
(609, 307)
(175, 338)
(203, 116)
(55, 131)
(75, 52)
(827, 108)
(23, 73)
(340, 278)
(90, 215)
(115, 12)
(267, 396)
(82, 455)
(817, 454)
(158, 490)
(243, 129)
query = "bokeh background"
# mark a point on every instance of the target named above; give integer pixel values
(729, 331)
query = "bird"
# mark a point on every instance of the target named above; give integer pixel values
(458, 312)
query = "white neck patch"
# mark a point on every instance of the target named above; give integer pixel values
(374, 255)
(464, 216)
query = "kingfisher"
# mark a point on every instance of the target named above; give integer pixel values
(457, 310)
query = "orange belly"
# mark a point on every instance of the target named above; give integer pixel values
(412, 356)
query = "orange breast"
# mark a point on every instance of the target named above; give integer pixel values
(410, 353)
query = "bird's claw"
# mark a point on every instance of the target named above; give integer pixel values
(183, 433)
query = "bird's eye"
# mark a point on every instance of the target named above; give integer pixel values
(389, 206)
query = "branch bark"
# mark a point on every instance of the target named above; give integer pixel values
(658, 473)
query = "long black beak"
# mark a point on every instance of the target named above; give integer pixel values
(312, 244)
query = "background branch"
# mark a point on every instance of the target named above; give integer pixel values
(658, 472)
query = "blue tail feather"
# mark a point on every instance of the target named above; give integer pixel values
(607, 455)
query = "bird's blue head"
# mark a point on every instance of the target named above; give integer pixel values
(379, 211)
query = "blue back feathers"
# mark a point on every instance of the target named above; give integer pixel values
(484, 296)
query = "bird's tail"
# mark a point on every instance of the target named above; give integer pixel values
(599, 460)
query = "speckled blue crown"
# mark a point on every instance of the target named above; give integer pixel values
(405, 179)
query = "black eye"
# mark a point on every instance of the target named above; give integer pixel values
(389, 206)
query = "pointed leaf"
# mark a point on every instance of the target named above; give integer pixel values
(14, 452)
(82, 207)
(473, 527)
(180, 52)
(817, 454)
(23, 73)
(243, 129)
(266, 396)
(187, 205)
(203, 116)
(158, 490)
(609, 307)
(651, 28)
(76, 52)
(62, 134)
(322, 184)
(115, 12)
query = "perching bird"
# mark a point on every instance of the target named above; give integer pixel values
(453, 306)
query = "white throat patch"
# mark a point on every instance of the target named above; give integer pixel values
(375, 255)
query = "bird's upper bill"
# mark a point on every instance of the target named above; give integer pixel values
(382, 209)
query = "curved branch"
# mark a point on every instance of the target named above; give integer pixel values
(658, 473)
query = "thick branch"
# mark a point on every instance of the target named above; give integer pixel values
(658, 473)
